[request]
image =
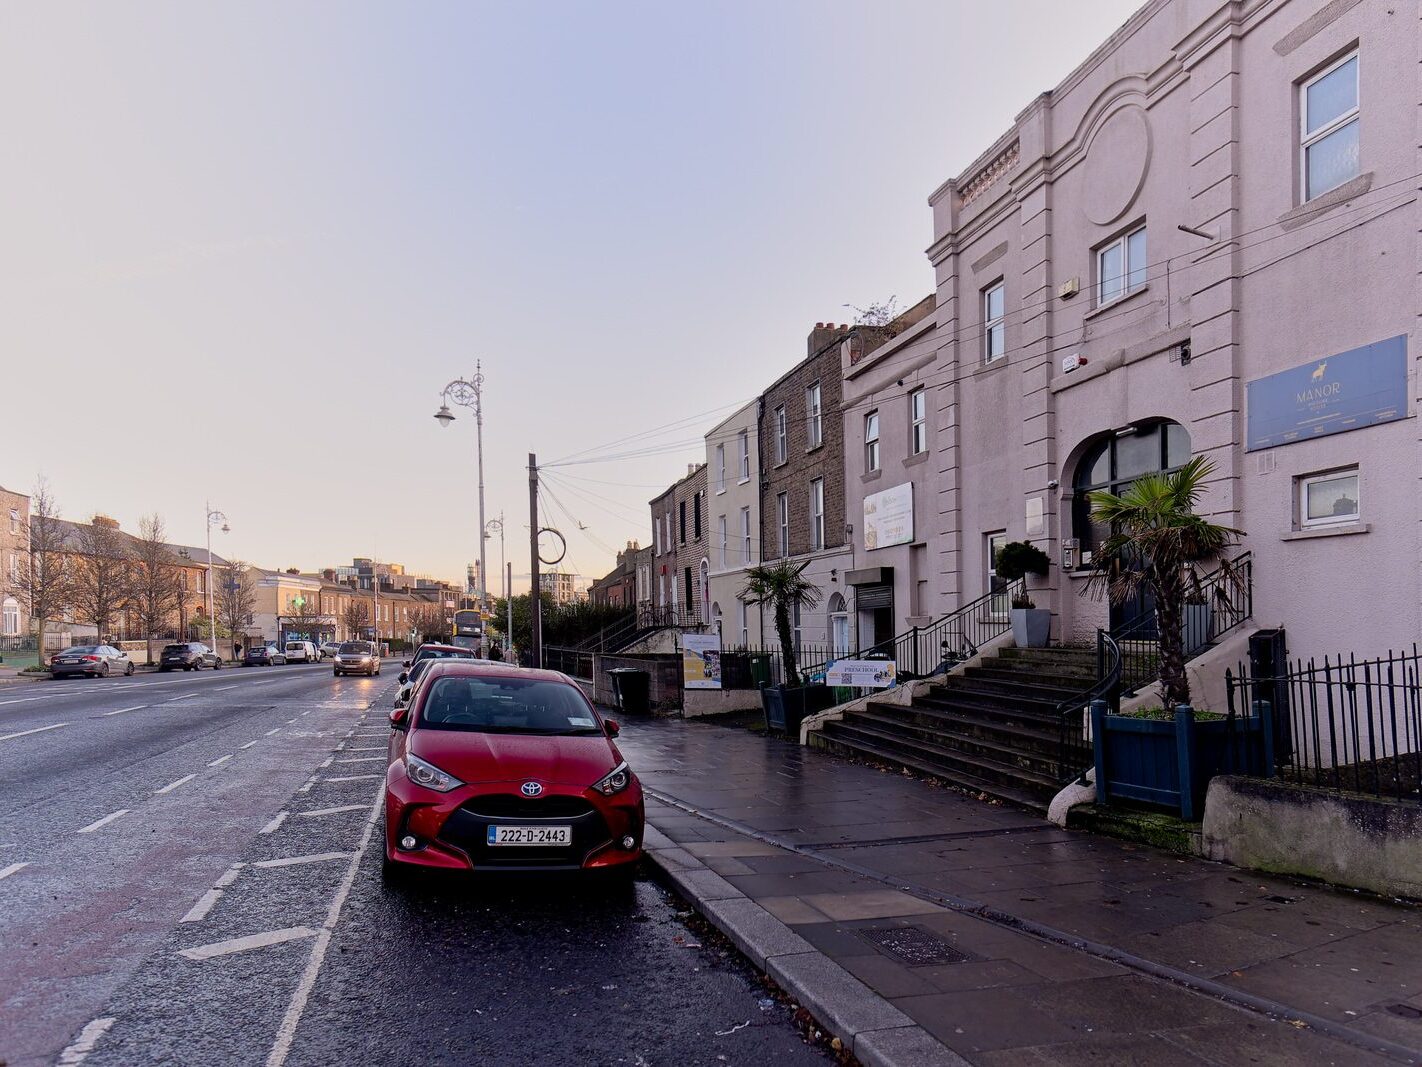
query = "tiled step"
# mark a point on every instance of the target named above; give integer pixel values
(1035, 674)
(1002, 708)
(1009, 691)
(1021, 750)
(1037, 735)
(865, 749)
(982, 767)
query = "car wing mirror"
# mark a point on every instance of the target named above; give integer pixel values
(405, 663)
(398, 718)
(613, 729)
(404, 677)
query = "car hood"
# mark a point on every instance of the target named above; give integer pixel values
(475, 757)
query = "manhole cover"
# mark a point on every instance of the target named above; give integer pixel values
(1405, 1011)
(914, 945)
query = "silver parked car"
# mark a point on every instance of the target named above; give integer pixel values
(356, 657)
(97, 661)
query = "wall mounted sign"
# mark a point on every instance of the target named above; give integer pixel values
(862, 673)
(888, 517)
(701, 661)
(1348, 391)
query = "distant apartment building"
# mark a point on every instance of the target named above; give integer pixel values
(680, 567)
(802, 515)
(563, 586)
(734, 468)
(14, 555)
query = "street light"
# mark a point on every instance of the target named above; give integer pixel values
(213, 519)
(498, 524)
(468, 393)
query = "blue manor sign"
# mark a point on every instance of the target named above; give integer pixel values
(1360, 387)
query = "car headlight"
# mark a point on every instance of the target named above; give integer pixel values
(424, 773)
(615, 780)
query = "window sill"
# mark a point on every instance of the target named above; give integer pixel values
(814, 448)
(1080, 574)
(1343, 529)
(1101, 309)
(721, 491)
(1340, 194)
(743, 481)
(916, 459)
(871, 476)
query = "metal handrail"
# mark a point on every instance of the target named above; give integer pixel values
(924, 651)
(1073, 715)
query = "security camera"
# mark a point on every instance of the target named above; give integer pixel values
(1053, 484)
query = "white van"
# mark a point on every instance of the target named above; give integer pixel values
(301, 652)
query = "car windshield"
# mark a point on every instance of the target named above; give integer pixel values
(507, 705)
(355, 647)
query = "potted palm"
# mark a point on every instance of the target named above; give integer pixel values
(1159, 544)
(1031, 625)
(780, 586)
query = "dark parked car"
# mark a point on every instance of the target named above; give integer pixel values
(188, 656)
(263, 656)
(97, 661)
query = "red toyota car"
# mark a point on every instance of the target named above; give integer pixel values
(495, 768)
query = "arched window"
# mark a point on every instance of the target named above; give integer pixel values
(1113, 463)
(716, 617)
(10, 617)
(838, 626)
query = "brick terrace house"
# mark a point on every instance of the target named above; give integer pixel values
(14, 548)
(679, 562)
(802, 487)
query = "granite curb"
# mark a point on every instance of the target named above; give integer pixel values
(876, 1032)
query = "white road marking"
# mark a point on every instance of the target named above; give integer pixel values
(224, 688)
(199, 911)
(293, 861)
(220, 760)
(327, 763)
(332, 811)
(249, 744)
(271, 827)
(136, 707)
(244, 944)
(5, 872)
(306, 785)
(373, 748)
(306, 713)
(36, 730)
(104, 821)
(363, 759)
(287, 1032)
(228, 876)
(290, 721)
(181, 696)
(352, 777)
(174, 785)
(85, 1042)
(271, 731)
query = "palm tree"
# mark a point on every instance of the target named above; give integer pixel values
(781, 585)
(1157, 543)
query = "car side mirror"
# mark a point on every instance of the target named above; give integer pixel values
(403, 677)
(612, 728)
(406, 663)
(397, 719)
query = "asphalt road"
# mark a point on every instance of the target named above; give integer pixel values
(189, 875)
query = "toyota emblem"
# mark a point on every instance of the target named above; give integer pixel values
(531, 789)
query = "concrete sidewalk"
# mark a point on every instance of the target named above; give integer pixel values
(1007, 939)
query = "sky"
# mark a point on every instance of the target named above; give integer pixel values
(245, 245)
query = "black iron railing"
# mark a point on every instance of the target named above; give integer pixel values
(924, 651)
(574, 662)
(1219, 602)
(1346, 725)
(1074, 746)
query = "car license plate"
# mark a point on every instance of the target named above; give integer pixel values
(530, 835)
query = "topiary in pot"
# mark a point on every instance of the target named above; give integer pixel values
(1017, 559)
(1031, 625)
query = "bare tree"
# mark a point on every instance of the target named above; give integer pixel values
(356, 617)
(236, 600)
(156, 592)
(102, 567)
(43, 581)
(427, 620)
(304, 616)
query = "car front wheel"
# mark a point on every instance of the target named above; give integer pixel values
(128, 671)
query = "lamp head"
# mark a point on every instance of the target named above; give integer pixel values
(226, 528)
(444, 415)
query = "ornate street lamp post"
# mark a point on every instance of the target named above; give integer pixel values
(214, 518)
(468, 393)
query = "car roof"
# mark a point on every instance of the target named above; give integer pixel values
(488, 668)
(442, 648)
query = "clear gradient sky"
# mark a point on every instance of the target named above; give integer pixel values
(245, 244)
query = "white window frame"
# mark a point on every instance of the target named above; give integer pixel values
(1305, 523)
(814, 425)
(743, 619)
(746, 560)
(720, 468)
(721, 528)
(817, 514)
(782, 435)
(782, 518)
(991, 323)
(871, 442)
(744, 444)
(1307, 139)
(1123, 241)
(14, 520)
(918, 422)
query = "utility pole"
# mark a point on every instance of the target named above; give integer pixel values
(534, 593)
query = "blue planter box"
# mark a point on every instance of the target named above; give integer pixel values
(1169, 763)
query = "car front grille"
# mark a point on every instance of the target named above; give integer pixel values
(513, 806)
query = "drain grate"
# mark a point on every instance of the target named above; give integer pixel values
(914, 945)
